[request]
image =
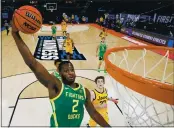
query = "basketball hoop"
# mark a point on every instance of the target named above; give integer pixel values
(51, 6)
(148, 100)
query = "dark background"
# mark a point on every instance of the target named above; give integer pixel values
(90, 8)
(95, 8)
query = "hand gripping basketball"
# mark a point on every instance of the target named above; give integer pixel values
(27, 19)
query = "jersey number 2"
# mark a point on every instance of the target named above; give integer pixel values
(75, 105)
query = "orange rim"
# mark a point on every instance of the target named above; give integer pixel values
(153, 89)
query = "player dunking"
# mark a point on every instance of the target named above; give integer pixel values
(69, 46)
(54, 30)
(101, 49)
(64, 27)
(67, 97)
(99, 98)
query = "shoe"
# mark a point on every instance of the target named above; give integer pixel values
(105, 71)
(88, 126)
(98, 70)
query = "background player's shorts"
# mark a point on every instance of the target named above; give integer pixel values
(53, 32)
(101, 58)
(64, 31)
(53, 35)
(102, 36)
(92, 123)
(69, 50)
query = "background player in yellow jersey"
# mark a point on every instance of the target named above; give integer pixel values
(103, 33)
(64, 27)
(67, 97)
(101, 21)
(72, 19)
(69, 46)
(99, 98)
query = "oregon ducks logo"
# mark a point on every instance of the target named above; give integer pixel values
(28, 14)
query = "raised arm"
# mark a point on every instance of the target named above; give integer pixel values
(93, 113)
(40, 72)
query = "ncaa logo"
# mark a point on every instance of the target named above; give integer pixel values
(48, 49)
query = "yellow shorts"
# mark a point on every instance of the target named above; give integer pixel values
(63, 30)
(102, 36)
(69, 50)
(104, 114)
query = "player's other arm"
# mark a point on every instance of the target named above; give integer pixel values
(112, 99)
(92, 95)
(72, 43)
(93, 113)
(40, 72)
(100, 34)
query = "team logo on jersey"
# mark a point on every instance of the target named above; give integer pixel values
(48, 49)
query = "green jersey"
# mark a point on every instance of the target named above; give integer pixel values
(68, 107)
(54, 29)
(57, 75)
(102, 49)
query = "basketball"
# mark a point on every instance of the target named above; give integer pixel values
(27, 19)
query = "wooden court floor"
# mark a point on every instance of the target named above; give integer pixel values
(86, 42)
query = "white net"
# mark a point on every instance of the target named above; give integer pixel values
(138, 109)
